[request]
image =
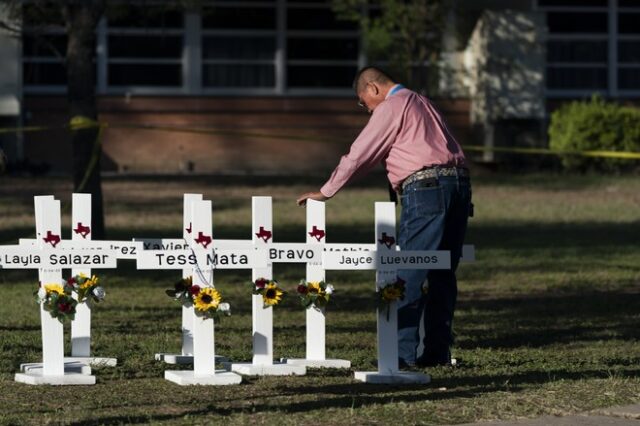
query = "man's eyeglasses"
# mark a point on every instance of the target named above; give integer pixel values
(361, 104)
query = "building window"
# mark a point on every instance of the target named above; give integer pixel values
(239, 46)
(629, 48)
(44, 46)
(250, 47)
(144, 46)
(322, 51)
(593, 46)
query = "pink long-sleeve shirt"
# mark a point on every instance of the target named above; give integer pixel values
(406, 133)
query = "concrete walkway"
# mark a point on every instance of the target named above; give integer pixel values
(628, 415)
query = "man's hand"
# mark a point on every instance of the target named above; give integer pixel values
(318, 196)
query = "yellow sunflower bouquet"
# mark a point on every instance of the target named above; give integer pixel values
(269, 290)
(207, 302)
(87, 288)
(314, 293)
(57, 300)
(390, 293)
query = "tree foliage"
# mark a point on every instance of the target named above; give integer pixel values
(595, 125)
(405, 34)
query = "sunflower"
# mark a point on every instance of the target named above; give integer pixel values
(54, 288)
(315, 288)
(391, 293)
(272, 294)
(88, 282)
(208, 298)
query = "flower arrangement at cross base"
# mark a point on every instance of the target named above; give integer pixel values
(314, 293)
(391, 292)
(206, 301)
(269, 290)
(86, 288)
(57, 299)
(183, 291)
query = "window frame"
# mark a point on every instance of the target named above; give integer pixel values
(192, 61)
(612, 64)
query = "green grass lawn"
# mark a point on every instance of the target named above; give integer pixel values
(547, 321)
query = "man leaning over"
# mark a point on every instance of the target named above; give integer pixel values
(427, 167)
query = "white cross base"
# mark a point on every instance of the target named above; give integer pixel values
(173, 358)
(94, 361)
(318, 363)
(397, 377)
(74, 364)
(37, 377)
(69, 367)
(187, 378)
(273, 369)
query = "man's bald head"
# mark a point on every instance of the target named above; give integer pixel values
(371, 74)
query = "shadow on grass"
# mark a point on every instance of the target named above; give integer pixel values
(535, 321)
(593, 236)
(518, 381)
(359, 395)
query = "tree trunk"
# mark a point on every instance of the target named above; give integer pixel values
(81, 19)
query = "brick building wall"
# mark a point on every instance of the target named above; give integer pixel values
(256, 135)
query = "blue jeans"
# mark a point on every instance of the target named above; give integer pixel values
(434, 217)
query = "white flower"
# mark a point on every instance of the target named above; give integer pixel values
(99, 293)
(224, 307)
(328, 289)
(42, 294)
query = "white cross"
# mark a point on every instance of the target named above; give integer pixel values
(49, 257)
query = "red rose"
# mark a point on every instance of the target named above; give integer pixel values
(302, 289)
(64, 307)
(194, 289)
(71, 281)
(261, 283)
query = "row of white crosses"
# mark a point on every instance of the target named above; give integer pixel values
(198, 333)
(318, 256)
(262, 238)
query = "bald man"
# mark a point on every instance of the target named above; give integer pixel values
(427, 168)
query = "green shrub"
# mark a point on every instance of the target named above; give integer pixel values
(595, 125)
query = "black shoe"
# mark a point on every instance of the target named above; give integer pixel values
(426, 362)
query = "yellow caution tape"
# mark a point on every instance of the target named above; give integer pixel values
(80, 122)
(545, 151)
